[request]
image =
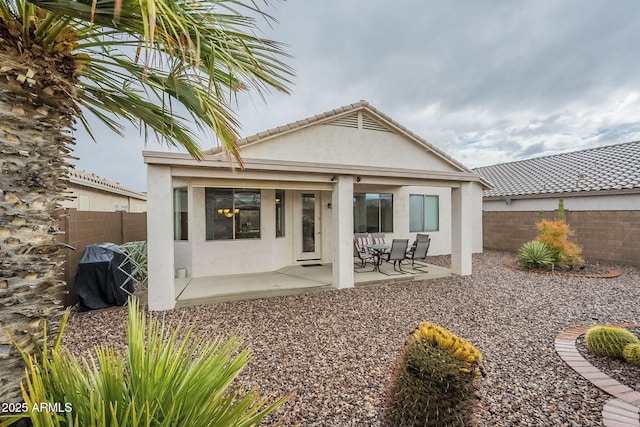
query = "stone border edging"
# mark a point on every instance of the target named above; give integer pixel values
(608, 274)
(621, 411)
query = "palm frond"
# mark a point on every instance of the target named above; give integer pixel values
(143, 57)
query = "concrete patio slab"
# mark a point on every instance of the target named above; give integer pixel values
(289, 280)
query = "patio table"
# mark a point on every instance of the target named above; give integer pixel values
(378, 249)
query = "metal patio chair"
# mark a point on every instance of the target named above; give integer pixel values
(378, 238)
(361, 250)
(396, 254)
(417, 253)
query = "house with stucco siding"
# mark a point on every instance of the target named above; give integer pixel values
(306, 187)
(90, 192)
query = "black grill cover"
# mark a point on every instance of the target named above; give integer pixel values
(99, 281)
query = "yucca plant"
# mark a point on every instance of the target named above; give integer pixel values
(535, 254)
(159, 380)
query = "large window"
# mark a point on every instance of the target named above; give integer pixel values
(279, 213)
(424, 213)
(180, 214)
(232, 213)
(373, 213)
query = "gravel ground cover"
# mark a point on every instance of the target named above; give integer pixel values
(333, 351)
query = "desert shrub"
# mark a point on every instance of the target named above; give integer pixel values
(435, 380)
(609, 341)
(535, 254)
(158, 380)
(554, 234)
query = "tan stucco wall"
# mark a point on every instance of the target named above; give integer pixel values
(341, 145)
(89, 199)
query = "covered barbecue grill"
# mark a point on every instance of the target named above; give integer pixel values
(103, 278)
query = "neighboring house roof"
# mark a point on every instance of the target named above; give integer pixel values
(609, 168)
(347, 116)
(86, 179)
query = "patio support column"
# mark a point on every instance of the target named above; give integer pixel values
(342, 215)
(461, 229)
(161, 294)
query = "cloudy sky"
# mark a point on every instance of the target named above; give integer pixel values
(485, 81)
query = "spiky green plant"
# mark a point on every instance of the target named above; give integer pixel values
(631, 354)
(535, 254)
(609, 341)
(561, 214)
(434, 382)
(159, 380)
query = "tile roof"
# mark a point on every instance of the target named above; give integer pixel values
(613, 167)
(80, 177)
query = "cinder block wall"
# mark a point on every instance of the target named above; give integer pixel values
(84, 228)
(611, 237)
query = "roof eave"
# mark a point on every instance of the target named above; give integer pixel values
(583, 193)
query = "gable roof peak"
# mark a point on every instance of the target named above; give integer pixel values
(340, 112)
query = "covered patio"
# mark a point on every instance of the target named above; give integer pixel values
(304, 191)
(291, 280)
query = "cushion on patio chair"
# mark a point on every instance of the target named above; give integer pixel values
(362, 243)
(378, 238)
(363, 253)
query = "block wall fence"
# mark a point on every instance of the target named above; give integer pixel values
(607, 237)
(84, 228)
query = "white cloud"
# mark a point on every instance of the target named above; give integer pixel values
(488, 82)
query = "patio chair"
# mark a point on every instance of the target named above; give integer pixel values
(422, 237)
(378, 238)
(415, 242)
(419, 252)
(361, 250)
(396, 254)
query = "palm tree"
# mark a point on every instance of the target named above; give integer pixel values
(117, 59)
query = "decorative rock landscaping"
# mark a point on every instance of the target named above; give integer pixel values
(589, 271)
(333, 352)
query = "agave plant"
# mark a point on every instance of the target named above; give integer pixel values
(159, 380)
(535, 254)
(116, 60)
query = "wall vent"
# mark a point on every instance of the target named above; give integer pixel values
(350, 121)
(371, 124)
(359, 121)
